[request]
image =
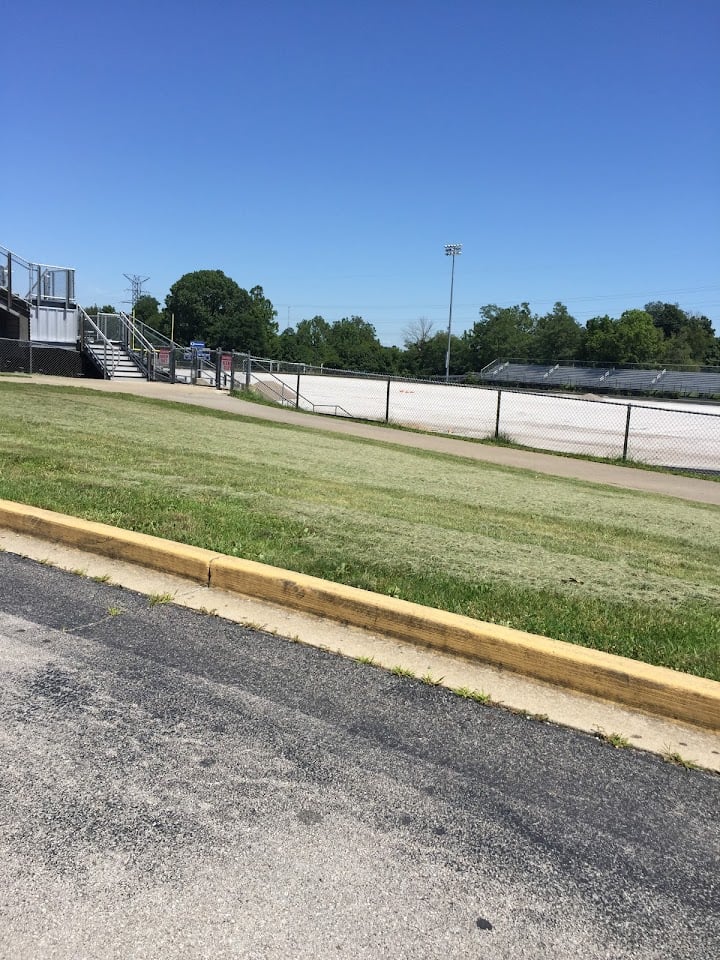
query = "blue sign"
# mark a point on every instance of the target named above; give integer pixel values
(197, 349)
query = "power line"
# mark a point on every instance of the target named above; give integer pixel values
(673, 291)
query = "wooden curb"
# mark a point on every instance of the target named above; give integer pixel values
(658, 690)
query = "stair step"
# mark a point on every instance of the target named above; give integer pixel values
(114, 358)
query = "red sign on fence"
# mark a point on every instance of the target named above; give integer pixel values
(227, 362)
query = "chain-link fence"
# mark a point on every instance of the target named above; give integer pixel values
(675, 435)
(670, 434)
(24, 356)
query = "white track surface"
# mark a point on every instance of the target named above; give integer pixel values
(669, 434)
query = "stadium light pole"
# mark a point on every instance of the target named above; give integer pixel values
(451, 250)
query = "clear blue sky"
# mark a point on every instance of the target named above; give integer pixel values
(328, 150)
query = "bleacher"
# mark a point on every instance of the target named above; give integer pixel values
(587, 378)
(599, 379)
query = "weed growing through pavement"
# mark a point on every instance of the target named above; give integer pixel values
(368, 660)
(101, 578)
(432, 681)
(672, 756)
(477, 695)
(402, 672)
(114, 611)
(616, 740)
(155, 598)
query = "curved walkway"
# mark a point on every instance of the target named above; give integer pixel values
(630, 478)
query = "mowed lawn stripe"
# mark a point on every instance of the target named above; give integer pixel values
(628, 572)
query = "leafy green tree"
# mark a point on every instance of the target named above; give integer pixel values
(502, 332)
(556, 336)
(428, 359)
(668, 317)
(313, 342)
(208, 305)
(287, 347)
(424, 354)
(714, 355)
(689, 338)
(693, 343)
(147, 310)
(355, 345)
(633, 338)
(93, 310)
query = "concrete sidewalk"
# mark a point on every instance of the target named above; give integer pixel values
(629, 478)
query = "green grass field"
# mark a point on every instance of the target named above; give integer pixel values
(627, 572)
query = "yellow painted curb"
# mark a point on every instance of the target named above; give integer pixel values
(667, 693)
(193, 563)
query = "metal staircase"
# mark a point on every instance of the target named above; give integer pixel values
(113, 360)
(119, 348)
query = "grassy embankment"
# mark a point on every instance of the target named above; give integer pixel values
(626, 572)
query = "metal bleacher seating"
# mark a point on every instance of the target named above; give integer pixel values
(628, 380)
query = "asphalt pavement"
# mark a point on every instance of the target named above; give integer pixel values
(177, 785)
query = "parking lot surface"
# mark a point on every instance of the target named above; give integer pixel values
(176, 785)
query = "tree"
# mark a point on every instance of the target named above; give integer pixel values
(633, 338)
(502, 332)
(210, 306)
(420, 349)
(689, 338)
(147, 310)
(355, 345)
(418, 332)
(668, 317)
(93, 310)
(313, 342)
(556, 336)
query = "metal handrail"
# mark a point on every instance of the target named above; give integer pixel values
(153, 336)
(284, 401)
(88, 322)
(131, 328)
(147, 356)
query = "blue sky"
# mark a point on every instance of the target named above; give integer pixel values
(329, 150)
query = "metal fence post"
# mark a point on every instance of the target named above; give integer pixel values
(387, 402)
(297, 392)
(232, 371)
(248, 361)
(218, 368)
(172, 363)
(497, 416)
(627, 432)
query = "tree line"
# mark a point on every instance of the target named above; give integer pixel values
(209, 306)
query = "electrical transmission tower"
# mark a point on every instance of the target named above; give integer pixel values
(135, 289)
